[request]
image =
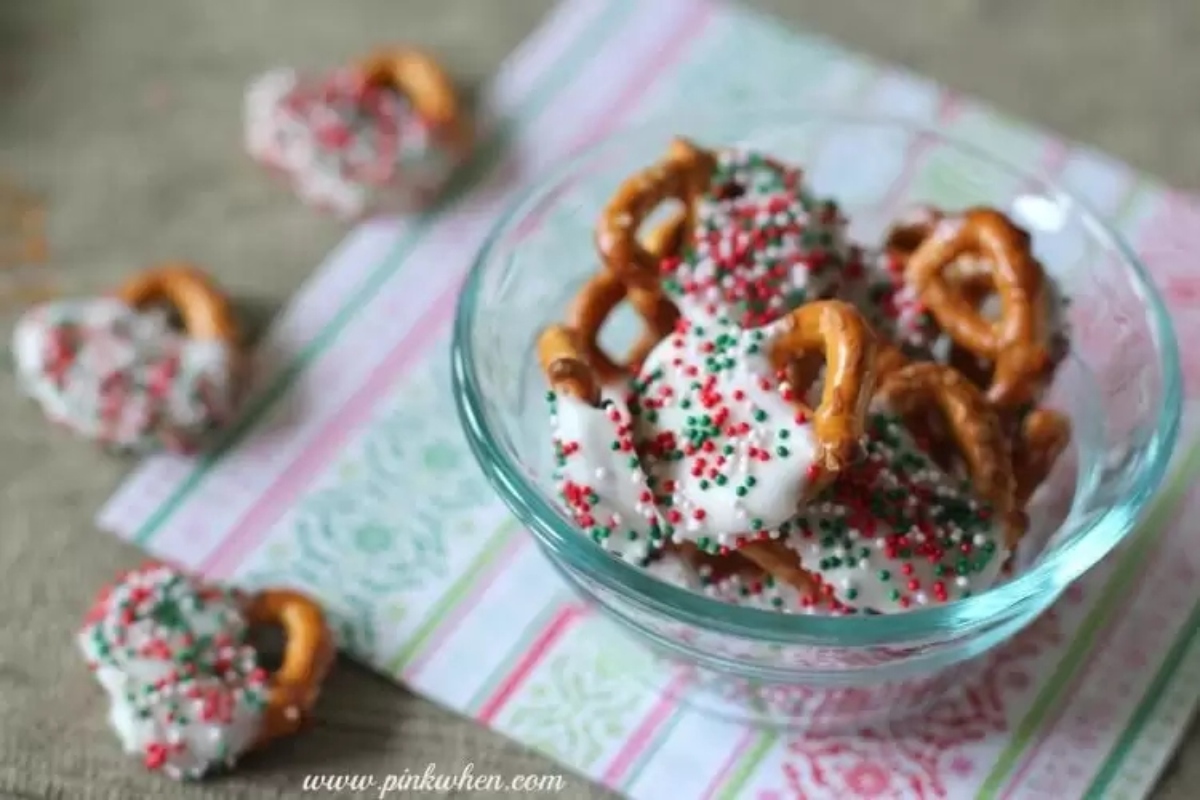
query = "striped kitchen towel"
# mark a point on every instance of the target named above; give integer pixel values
(347, 476)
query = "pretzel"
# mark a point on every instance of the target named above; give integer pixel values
(683, 175)
(970, 279)
(1017, 343)
(836, 330)
(591, 308)
(308, 655)
(718, 567)
(1040, 436)
(204, 310)
(186, 689)
(777, 559)
(566, 367)
(605, 290)
(911, 230)
(421, 79)
(1043, 437)
(973, 425)
(927, 398)
(111, 370)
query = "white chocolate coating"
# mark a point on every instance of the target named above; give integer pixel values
(123, 377)
(898, 531)
(600, 477)
(338, 146)
(738, 456)
(185, 691)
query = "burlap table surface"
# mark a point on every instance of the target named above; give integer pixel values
(125, 114)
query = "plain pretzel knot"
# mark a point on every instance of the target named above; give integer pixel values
(1018, 342)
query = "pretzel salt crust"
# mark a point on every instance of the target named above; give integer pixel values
(1018, 342)
(186, 691)
(115, 369)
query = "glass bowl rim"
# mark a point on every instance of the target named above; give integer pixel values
(1034, 588)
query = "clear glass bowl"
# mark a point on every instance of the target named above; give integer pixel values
(1120, 386)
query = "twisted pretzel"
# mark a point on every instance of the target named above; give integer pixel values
(204, 310)
(605, 291)
(308, 656)
(1040, 436)
(683, 175)
(421, 79)
(912, 391)
(837, 331)
(590, 310)
(1017, 343)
